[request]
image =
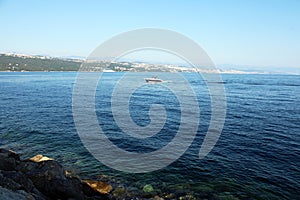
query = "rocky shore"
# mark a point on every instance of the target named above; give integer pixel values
(42, 178)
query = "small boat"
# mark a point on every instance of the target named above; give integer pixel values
(153, 79)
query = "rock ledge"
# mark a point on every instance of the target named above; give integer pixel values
(43, 178)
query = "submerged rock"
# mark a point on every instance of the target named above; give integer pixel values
(120, 192)
(148, 188)
(157, 198)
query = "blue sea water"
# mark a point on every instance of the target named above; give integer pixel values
(257, 155)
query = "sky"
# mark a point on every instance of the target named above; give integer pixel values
(232, 32)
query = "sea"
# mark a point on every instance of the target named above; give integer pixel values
(257, 155)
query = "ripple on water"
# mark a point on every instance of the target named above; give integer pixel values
(256, 157)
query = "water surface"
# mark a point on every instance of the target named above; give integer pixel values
(256, 157)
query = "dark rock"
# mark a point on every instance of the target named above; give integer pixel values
(48, 169)
(8, 160)
(8, 183)
(49, 178)
(4, 153)
(42, 178)
(18, 182)
(22, 182)
(6, 194)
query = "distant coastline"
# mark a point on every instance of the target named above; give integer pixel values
(10, 62)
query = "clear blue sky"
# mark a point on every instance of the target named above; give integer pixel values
(256, 32)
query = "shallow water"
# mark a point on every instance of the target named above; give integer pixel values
(257, 155)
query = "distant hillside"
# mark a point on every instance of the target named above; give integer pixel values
(22, 62)
(36, 63)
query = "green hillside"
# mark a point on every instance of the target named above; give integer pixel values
(17, 63)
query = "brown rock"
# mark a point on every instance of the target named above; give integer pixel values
(40, 158)
(99, 186)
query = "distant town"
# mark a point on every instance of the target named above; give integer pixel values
(23, 62)
(14, 62)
